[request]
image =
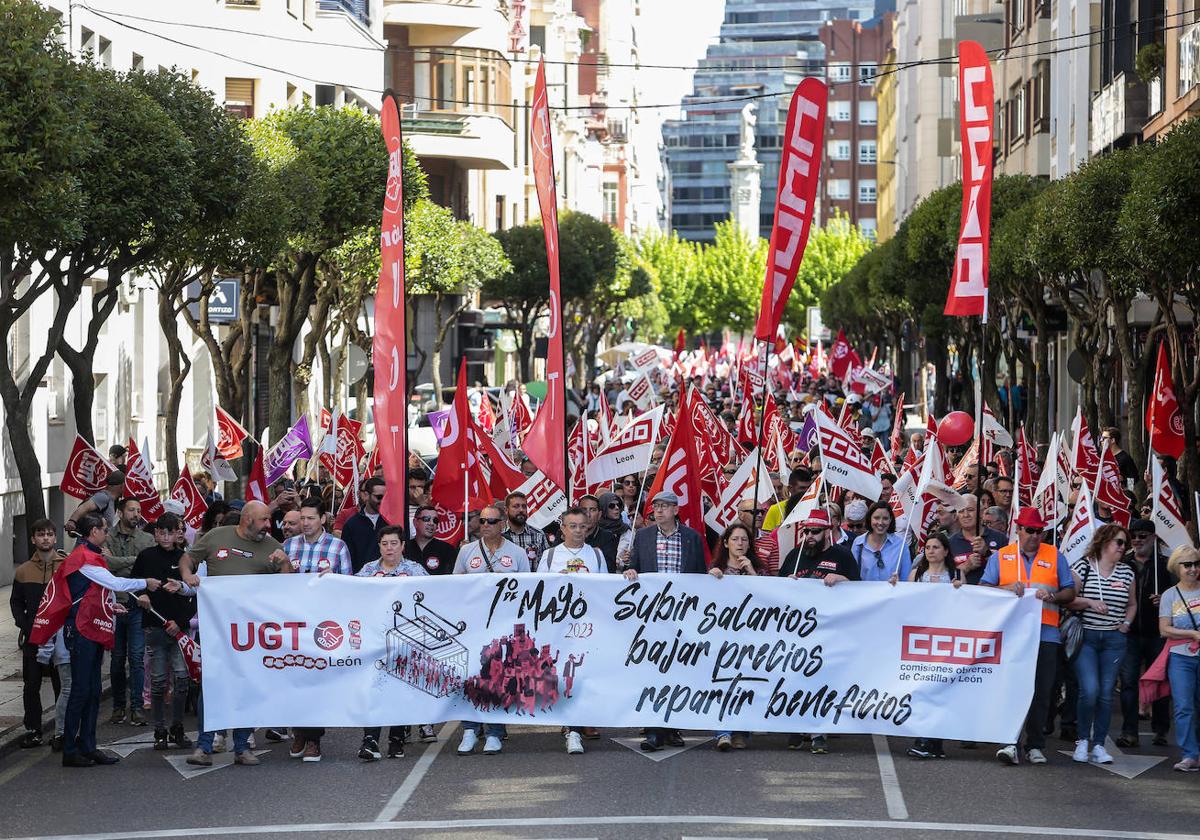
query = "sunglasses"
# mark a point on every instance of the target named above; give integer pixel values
(377, 497)
(854, 526)
(755, 511)
(427, 519)
(629, 484)
(614, 506)
(1190, 564)
(878, 559)
(1120, 542)
(1140, 536)
(1029, 530)
(490, 520)
(815, 532)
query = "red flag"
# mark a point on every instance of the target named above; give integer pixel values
(680, 474)
(503, 475)
(1164, 420)
(86, 471)
(485, 417)
(747, 433)
(389, 346)
(187, 494)
(459, 484)
(139, 483)
(350, 498)
(879, 461)
(897, 437)
(1109, 489)
(969, 285)
(546, 443)
(340, 464)
(842, 356)
(1085, 460)
(256, 484)
(795, 200)
(1030, 471)
(680, 342)
(230, 435)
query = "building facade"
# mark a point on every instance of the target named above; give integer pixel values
(885, 168)
(1174, 94)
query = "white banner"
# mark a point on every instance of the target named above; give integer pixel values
(629, 452)
(545, 500)
(691, 651)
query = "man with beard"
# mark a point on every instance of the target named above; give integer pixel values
(518, 532)
(597, 537)
(243, 549)
(817, 558)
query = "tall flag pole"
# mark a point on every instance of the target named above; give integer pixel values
(389, 346)
(969, 284)
(546, 443)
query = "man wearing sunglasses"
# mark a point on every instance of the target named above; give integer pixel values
(766, 546)
(1145, 642)
(613, 523)
(1033, 564)
(361, 533)
(433, 555)
(597, 537)
(854, 523)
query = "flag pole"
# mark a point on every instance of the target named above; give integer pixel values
(762, 422)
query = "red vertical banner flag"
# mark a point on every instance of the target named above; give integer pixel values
(969, 284)
(546, 442)
(795, 200)
(389, 347)
(1164, 420)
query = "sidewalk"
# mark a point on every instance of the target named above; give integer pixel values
(12, 710)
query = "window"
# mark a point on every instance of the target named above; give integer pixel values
(104, 52)
(137, 62)
(326, 95)
(868, 227)
(866, 191)
(443, 86)
(868, 113)
(867, 73)
(239, 97)
(245, 4)
(87, 40)
(500, 204)
(839, 188)
(839, 111)
(1039, 97)
(610, 203)
(839, 71)
(1016, 114)
(839, 150)
(866, 151)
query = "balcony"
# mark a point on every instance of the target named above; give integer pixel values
(472, 141)
(357, 9)
(454, 17)
(1119, 110)
(1189, 59)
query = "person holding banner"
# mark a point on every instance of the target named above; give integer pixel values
(735, 556)
(969, 548)
(1033, 564)
(881, 553)
(435, 556)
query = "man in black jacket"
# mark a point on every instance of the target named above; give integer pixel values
(669, 547)
(597, 537)
(29, 582)
(361, 534)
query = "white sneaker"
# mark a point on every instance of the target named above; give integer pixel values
(250, 742)
(469, 739)
(1035, 756)
(1099, 755)
(1081, 752)
(492, 745)
(219, 743)
(1008, 754)
(575, 744)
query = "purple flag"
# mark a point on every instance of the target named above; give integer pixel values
(808, 432)
(437, 419)
(293, 446)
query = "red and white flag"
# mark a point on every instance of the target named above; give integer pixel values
(680, 474)
(502, 474)
(546, 443)
(1080, 527)
(645, 360)
(842, 461)
(742, 486)
(842, 356)
(896, 439)
(187, 494)
(256, 483)
(520, 418)
(348, 450)
(485, 417)
(459, 484)
(217, 466)
(579, 455)
(230, 435)
(1164, 420)
(642, 393)
(139, 483)
(86, 471)
(1085, 459)
(795, 200)
(1047, 494)
(1027, 469)
(788, 532)
(969, 283)
(1109, 489)
(629, 452)
(747, 431)
(544, 500)
(1167, 509)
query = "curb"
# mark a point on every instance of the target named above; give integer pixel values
(10, 741)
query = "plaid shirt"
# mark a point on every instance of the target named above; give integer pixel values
(327, 554)
(532, 540)
(669, 550)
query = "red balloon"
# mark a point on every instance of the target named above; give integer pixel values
(957, 428)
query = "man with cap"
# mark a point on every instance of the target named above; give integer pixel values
(868, 441)
(1144, 640)
(668, 547)
(1032, 563)
(854, 523)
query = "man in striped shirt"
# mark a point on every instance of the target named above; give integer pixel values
(314, 551)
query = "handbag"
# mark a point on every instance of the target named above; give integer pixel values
(1071, 627)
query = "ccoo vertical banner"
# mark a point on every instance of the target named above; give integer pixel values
(969, 285)
(795, 201)
(546, 443)
(389, 346)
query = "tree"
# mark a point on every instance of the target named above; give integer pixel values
(831, 252)
(674, 265)
(523, 292)
(732, 270)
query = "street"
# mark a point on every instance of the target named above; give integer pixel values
(865, 788)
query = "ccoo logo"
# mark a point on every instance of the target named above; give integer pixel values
(328, 635)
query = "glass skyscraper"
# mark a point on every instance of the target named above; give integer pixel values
(766, 46)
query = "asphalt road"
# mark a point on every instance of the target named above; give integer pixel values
(865, 788)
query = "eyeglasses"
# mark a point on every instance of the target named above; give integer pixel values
(1189, 564)
(427, 519)
(490, 520)
(614, 505)
(1139, 536)
(854, 526)
(377, 497)
(630, 483)
(1029, 530)
(755, 511)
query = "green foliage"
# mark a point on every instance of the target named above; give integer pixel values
(831, 252)
(674, 265)
(1149, 61)
(731, 273)
(445, 256)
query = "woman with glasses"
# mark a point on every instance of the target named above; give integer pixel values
(1107, 602)
(1179, 623)
(881, 554)
(611, 521)
(933, 566)
(735, 556)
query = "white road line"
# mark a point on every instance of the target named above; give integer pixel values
(892, 794)
(420, 768)
(889, 826)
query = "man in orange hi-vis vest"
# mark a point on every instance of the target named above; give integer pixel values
(1030, 563)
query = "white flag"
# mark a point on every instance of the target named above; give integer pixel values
(741, 485)
(992, 429)
(545, 500)
(1167, 509)
(1046, 494)
(788, 532)
(842, 462)
(642, 392)
(216, 466)
(1080, 528)
(629, 451)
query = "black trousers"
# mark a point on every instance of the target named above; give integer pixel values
(32, 673)
(1043, 692)
(309, 733)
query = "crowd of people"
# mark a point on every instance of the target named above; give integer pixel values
(1121, 622)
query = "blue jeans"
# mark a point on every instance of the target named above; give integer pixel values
(1096, 666)
(490, 730)
(129, 643)
(241, 737)
(1183, 672)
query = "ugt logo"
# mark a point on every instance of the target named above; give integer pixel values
(328, 635)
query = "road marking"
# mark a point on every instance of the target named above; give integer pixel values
(635, 744)
(1125, 765)
(30, 759)
(892, 794)
(407, 827)
(420, 768)
(191, 771)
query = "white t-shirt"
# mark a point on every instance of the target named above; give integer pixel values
(586, 558)
(474, 558)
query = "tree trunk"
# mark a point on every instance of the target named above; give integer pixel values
(81, 362)
(296, 293)
(1040, 394)
(525, 350)
(178, 366)
(1133, 367)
